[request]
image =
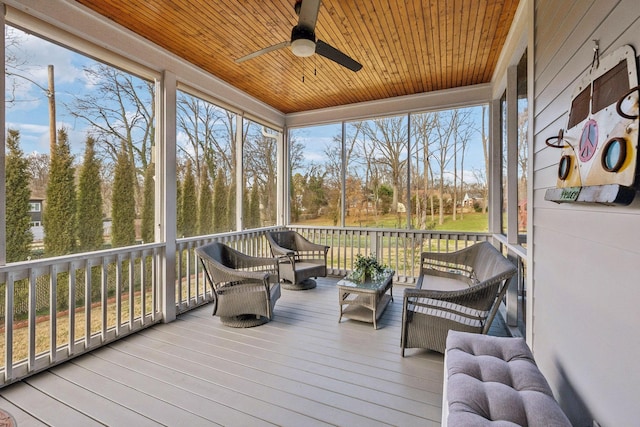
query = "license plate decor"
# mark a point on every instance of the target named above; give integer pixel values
(598, 161)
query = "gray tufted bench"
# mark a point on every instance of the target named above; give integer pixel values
(493, 381)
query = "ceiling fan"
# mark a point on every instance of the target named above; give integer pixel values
(303, 41)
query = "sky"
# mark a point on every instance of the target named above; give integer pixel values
(29, 113)
(27, 84)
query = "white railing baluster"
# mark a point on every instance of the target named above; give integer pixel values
(104, 296)
(8, 327)
(88, 279)
(132, 288)
(53, 303)
(71, 312)
(31, 359)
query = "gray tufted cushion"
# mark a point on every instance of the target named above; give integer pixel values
(493, 381)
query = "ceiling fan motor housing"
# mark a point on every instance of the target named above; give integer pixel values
(303, 41)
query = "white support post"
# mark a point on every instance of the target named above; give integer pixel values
(282, 177)
(239, 171)
(512, 154)
(166, 177)
(343, 178)
(3, 187)
(494, 178)
(408, 186)
(512, 188)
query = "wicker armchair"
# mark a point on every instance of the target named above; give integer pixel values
(245, 288)
(459, 290)
(299, 259)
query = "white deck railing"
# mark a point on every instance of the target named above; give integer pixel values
(62, 307)
(74, 304)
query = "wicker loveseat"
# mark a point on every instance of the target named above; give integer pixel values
(299, 259)
(245, 288)
(458, 290)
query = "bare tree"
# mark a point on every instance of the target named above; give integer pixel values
(38, 167)
(120, 110)
(210, 134)
(389, 140)
(422, 126)
(15, 65)
(485, 152)
(463, 132)
(260, 164)
(523, 149)
(442, 140)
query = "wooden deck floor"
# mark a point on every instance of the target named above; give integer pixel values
(302, 369)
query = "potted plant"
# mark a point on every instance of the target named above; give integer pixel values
(367, 268)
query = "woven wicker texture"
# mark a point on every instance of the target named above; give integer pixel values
(298, 259)
(243, 286)
(480, 274)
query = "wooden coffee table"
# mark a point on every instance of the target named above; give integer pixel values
(365, 301)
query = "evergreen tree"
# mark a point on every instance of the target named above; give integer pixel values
(179, 216)
(205, 205)
(231, 207)
(220, 203)
(123, 210)
(189, 203)
(148, 205)
(254, 206)
(90, 229)
(246, 208)
(19, 236)
(59, 216)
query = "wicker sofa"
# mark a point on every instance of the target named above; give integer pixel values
(458, 290)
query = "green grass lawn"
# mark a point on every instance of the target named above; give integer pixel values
(471, 221)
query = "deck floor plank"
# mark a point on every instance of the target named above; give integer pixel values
(22, 418)
(302, 368)
(44, 407)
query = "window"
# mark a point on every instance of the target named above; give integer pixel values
(315, 182)
(104, 136)
(376, 172)
(35, 206)
(260, 192)
(503, 160)
(449, 172)
(422, 171)
(206, 158)
(523, 146)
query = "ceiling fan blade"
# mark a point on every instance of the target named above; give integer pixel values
(263, 51)
(335, 55)
(309, 14)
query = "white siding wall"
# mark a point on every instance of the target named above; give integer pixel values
(586, 285)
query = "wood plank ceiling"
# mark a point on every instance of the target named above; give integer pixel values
(405, 47)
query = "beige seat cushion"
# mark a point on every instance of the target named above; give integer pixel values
(439, 283)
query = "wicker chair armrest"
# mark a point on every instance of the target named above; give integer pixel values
(434, 294)
(280, 251)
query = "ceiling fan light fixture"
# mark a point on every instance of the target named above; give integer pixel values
(303, 47)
